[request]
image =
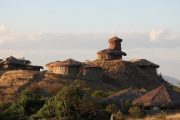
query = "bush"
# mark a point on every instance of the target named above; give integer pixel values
(71, 103)
(26, 105)
(112, 108)
(119, 116)
(3, 106)
(125, 107)
(136, 112)
(99, 94)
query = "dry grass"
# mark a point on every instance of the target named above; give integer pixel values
(175, 116)
(11, 81)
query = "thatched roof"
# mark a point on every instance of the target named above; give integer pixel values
(115, 38)
(144, 62)
(13, 60)
(21, 62)
(51, 64)
(112, 52)
(163, 96)
(125, 95)
(65, 63)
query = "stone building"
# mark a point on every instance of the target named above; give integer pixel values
(113, 52)
(91, 72)
(12, 63)
(146, 65)
(68, 67)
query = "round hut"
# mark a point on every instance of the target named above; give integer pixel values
(68, 67)
(50, 66)
(12, 63)
(90, 71)
(145, 65)
(113, 52)
(161, 97)
(122, 96)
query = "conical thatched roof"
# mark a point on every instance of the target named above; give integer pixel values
(25, 64)
(125, 95)
(144, 62)
(162, 96)
(115, 38)
(51, 64)
(65, 63)
(112, 52)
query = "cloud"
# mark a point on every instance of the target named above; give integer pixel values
(161, 46)
(163, 34)
(3, 29)
(162, 38)
(6, 36)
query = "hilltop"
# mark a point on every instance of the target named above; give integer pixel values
(118, 75)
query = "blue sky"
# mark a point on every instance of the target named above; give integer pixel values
(89, 16)
(47, 30)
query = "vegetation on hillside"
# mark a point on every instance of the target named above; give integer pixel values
(72, 102)
(26, 105)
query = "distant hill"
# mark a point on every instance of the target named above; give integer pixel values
(172, 80)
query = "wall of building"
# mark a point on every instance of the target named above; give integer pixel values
(67, 71)
(50, 68)
(115, 45)
(91, 73)
(13, 67)
(104, 56)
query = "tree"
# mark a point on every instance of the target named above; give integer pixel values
(26, 105)
(71, 103)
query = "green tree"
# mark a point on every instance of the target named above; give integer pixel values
(26, 105)
(71, 103)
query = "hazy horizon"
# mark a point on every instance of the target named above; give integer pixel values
(44, 31)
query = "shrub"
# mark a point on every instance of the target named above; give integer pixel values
(136, 112)
(71, 103)
(26, 105)
(3, 106)
(119, 116)
(125, 107)
(99, 94)
(112, 108)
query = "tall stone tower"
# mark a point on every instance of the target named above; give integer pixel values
(115, 43)
(113, 52)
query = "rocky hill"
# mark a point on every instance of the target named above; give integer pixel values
(118, 75)
(125, 74)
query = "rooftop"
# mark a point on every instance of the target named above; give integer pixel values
(163, 96)
(144, 62)
(68, 62)
(115, 38)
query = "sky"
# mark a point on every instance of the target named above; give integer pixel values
(49, 30)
